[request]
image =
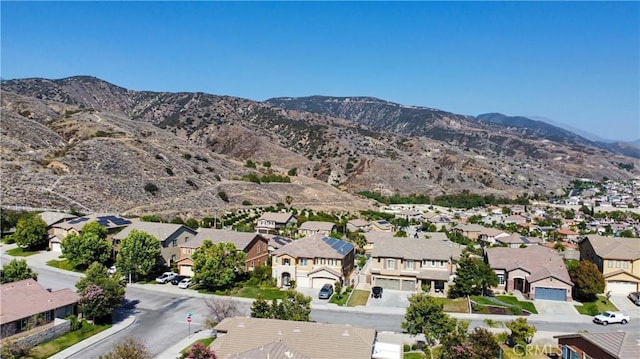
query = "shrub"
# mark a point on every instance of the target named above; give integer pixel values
(169, 171)
(186, 156)
(151, 188)
(406, 347)
(250, 164)
(246, 203)
(223, 196)
(293, 172)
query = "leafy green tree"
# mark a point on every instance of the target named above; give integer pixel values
(260, 308)
(99, 293)
(473, 277)
(130, 348)
(217, 265)
(521, 331)
(295, 306)
(31, 232)
(16, 270)
(139, 253)
(484, 344)
(455, 344)
(88, 247)
(588, 281)
(425, 315)
(9, 218)
(627, 233)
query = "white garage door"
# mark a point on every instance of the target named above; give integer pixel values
(387, 283)
(620, 288)
(56, 247)
(302, 282)
(319, 282)
(186, 270)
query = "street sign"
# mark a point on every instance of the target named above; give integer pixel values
(188, 319)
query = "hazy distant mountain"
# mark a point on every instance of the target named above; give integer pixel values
(86, 143)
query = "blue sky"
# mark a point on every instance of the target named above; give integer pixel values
(575, 63)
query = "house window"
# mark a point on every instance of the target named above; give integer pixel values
(303, 261)
(500, 279)
(391, 264)
(625, 265)
(433, 263)
(173, 258)
(252, 265)
(335, 262)
(409, 264)
(617, 264)
(186, 239)
(610, 263)
(441, 264)
(174, 242)
(424, 262)
(258, 249)
(286, 261)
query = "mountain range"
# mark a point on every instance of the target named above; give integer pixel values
(85, 143)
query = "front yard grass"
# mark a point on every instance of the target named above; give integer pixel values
(358, 297)
(61, 264)
(598, 306)
(458, 305)
(528, 306)
(205, 341)
(21, 252)
(45, 350)
(249, 291)
(342, 298)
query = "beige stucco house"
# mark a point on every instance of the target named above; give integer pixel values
(617, 258)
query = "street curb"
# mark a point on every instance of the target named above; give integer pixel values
(78, 347)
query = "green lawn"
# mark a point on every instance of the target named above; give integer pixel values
(61, 264)
(414, 355)
(598, 306)
(52, 347)
(341, 300)
(528, 306)
(484, 300)
(359, 297)
(268, 293)
(458, 305)
(205, 342)
(21, 252)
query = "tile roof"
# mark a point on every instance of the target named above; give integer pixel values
(277, 217)
(518, 239)
(240, 239)
(619, 344)
(471, 227)
(358, 222)
(416, 249)
(316, 246)
(533, 259)
(27, 297)
(273, 350)
(161, 231)
(317, 226)
(311, 340)
(615, 247)
(106, 220)
(54, 217)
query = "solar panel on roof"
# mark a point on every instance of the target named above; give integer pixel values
(525, 240)
(120, 221)
(78, 220)
(338, 245)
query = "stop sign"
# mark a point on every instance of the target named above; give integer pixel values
(188, 319)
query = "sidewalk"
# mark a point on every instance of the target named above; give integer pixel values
(95, 339)
(176, 349)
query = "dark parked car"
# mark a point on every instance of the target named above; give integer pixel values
(376, 292)
(177, 279)
(326, 291)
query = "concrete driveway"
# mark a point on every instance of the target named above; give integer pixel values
(625, 305)
(313, 293)
(555, 308)
(391, 298)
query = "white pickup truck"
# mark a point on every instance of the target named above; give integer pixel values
(609, 317)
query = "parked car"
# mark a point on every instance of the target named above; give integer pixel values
(610, 317)
(166, 277)
(376, 292)
(111, 270)
(185, 283)
(177, 279)
(635, 297)
(326, 291)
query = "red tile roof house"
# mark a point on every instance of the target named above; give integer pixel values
(254, 245)
(26, 304)
(536, 271)
(611, 345)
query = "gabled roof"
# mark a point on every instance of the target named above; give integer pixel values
(312, 340)
(531, 259)
(518, 239)
(277, 217)
(108, 221)
(276, 242)
(240, 239)
(161, 231)
(27, 297)
(416, 249)
(317, 226)
(619, 344)
(358, 223)
(567, 232)
(615, 247)
(471, 227)
(268, 351)
(316, 246)
(51, 218)
(492, 232)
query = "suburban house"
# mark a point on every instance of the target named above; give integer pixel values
(51, 219)
(310, 228)
(536, 271)
(567, 235)
(26, 304)
(488, 236)
(355, 225)
(171, 237)
(382, 226)
(608, 345)
(272, 222)
(373, 237)
(411, 264)
(515, 219)
(409, 215)
(276, 242)
(313, 261)
(273, 338)
(516, 241)
(254, 245)
(471, 230)
(617, 258)
(112, 223)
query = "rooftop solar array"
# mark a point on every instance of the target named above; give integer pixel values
(339, 246)
(78, 220)
(525, 240)
(382, 222)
